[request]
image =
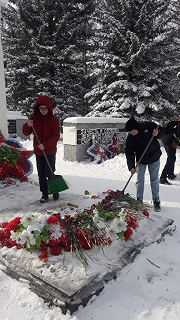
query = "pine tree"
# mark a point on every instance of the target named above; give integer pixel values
(45, 45)
(136, 78)
(175, 82)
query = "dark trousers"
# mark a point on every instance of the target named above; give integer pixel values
(170, 162)
(44, 171)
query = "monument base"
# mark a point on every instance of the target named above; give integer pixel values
(63, 281)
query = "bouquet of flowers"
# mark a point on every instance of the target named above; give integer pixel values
(119, 213)
(52, 234)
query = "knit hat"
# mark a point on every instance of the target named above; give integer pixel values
(131, 124)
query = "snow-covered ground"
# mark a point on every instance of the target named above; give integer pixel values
(142, 290)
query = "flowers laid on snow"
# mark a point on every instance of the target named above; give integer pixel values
(115, 216)
(52, 233)
(14, 161)
(120, 214)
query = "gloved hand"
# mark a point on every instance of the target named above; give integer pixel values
(174, 143)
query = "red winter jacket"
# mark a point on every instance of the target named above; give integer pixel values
(47, 128)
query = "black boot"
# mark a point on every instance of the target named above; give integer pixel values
(172, 176)
(157, 206)
(44, 198)
(56, 196)
(165, 181)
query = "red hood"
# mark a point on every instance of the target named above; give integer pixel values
(45, 100)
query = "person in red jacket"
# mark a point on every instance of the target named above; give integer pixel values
(47, 128)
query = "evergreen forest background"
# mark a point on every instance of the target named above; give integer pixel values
(112, 58)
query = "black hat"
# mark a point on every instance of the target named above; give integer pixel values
(131, 124)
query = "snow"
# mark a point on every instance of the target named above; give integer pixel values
(14, 115)
(94, 120)
(142, 290)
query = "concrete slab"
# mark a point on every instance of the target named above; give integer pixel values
(62, 280)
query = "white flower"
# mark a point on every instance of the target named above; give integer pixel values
(95, 211)
(36, 226)
(118, 225)
(122, 212)
(111, 233)
(42, 218)
(96, 218)
(26, 238)
(28, 219)
(14, 236)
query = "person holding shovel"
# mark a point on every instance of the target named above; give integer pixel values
(46, 126)
(140, 134)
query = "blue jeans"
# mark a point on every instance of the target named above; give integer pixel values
(154, 179)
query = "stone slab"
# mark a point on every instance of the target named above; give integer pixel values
(62, 280)
(20, 208)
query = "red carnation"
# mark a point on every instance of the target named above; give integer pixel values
(12, 242)
(53, 219)
(5, 243)
(1, 234)
(108, 241)
(80, 233)
(146, 213)
(132, 222)
(57, 214)
(11, 226)
(68, 247)
(127, 234)
(62, 226)
(53, 241)
(18, 246)
(56, 250)
(17, 220)
(3, 224)
(86, 244)
(101, 241)
(43, 246)
(7, 233)
(64, 239)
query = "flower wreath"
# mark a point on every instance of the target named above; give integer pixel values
(14, 162)
(115, 148)
(97, 151)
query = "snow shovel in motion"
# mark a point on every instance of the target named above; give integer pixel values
(139, 161)
(55, 183)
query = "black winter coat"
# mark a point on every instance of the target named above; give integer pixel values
(168, 139)
(135, 145)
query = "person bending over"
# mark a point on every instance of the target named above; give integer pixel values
(139, 134)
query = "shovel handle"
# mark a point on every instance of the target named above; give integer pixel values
(139, 160)
(45, 156)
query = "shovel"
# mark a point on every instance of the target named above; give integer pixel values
(139, 161)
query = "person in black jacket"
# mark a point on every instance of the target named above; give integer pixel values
(170, 140)
(136, 142)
